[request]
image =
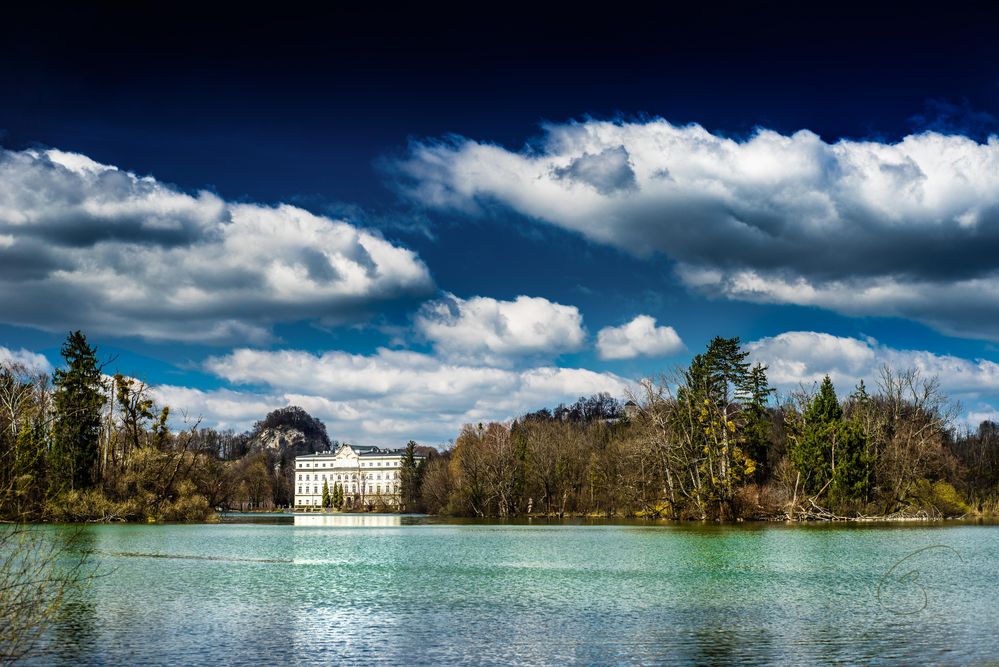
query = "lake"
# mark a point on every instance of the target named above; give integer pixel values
(370, 589)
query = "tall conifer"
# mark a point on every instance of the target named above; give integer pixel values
(78, 400)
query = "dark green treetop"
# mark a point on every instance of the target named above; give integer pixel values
(78, 400)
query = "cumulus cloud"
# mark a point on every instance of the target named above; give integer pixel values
(911, 227)
(608, 171)
(30, 360)
(87, 245)
(980, 413)
(485, 329)
(804, 357)
(638, 338)
(387, 396)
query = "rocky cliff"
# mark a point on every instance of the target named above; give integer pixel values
(291, 430)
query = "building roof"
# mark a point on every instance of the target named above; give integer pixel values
(365, 451)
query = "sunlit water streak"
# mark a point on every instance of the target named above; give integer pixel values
(393, 590)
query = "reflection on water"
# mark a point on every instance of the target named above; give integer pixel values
(75, 628)
(349, 520)
(370, 589)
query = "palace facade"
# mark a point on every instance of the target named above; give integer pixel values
(369, 476)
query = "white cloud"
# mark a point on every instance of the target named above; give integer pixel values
(86, 245)
(911, 228)
(485, 329)
(386, 397)
(30, 360)
(804, 357)
(982, 413)
(638, 338)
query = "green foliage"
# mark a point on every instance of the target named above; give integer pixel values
(78, 401)
(723, 417)
(409, 480)
(28, 470)
(830, 453)
(938, 497)
(851, 471)
(713, 448)
(824, 407)
(756, 426)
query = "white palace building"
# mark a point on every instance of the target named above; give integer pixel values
(369, 476)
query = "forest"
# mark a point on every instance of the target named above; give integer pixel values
(714, 441)
(710, 441)
(84, 446)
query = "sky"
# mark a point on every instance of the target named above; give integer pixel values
(404, 220)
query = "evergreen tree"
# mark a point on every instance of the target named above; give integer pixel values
(715, 391)
(809, 449)
(327, 500)
(756, 427)
(409, 479)
(824, 407)
(78, 400)
(860, 394)
(849, 464)
(830, 452)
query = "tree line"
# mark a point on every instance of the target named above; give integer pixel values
(81, 445)
(714, 441)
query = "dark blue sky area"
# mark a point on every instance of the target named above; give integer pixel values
(278, 105)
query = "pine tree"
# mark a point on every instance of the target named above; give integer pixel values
(327, 500)
(409, 479)
(809, 450)
(830, 452)
(824, 407)
(860, 394)
(78, 400)
(756, 427)
(716, 390)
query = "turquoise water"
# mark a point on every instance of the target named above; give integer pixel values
(394, 590)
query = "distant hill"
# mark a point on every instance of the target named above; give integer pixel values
(289, 429)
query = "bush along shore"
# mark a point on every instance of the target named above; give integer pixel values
(712, 441)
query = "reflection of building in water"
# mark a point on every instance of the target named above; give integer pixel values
(369, 476)
(349, 520)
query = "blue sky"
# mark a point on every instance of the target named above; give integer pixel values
(406, 222)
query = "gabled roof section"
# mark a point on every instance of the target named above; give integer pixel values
(363, 451)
